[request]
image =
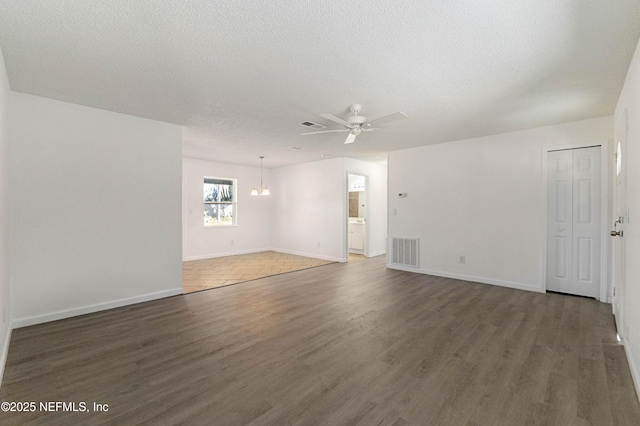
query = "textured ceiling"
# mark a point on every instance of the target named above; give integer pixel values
(240, 75)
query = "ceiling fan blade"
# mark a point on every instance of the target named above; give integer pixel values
(351, 138)
(325, 131)
(335, 119)
(389, 118)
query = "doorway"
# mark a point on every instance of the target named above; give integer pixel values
(574, 221)
(357, 217)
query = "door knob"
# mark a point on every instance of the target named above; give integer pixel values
(616, 233)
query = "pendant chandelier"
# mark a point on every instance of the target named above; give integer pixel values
(263, 190)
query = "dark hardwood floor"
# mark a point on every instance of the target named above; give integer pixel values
(338, 344)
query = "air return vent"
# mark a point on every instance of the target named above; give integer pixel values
(405, 251)
(313, 125)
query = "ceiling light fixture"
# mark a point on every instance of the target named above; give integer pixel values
(263, 189)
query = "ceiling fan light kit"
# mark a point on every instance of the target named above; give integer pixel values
(355, 124)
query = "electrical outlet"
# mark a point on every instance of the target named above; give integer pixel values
(318, 244)
(462, 259)
(232, 242)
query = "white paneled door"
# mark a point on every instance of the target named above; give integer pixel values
(574, 221)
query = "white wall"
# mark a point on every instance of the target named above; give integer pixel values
(630, 100)
(5, 276)
(96, 209)
(309, 209)
(252, 232)
(481, 198)
(377, 202)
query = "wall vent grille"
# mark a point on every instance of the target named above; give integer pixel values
(405, 251)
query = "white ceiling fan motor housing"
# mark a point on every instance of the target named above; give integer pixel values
(356, 120)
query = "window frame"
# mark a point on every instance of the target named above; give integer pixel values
(233, 203)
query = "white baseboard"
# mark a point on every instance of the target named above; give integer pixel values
(88, 309)
(483, 280)
(632, 366)
(314, 255)
(228, 253)
(5, 352)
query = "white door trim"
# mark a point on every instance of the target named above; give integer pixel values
(619, 209)
(604, 208)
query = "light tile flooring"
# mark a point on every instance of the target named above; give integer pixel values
(204, 274)
(355, 257)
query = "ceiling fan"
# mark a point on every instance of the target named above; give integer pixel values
(355, 124)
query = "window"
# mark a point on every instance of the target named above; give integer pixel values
(219, 202)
